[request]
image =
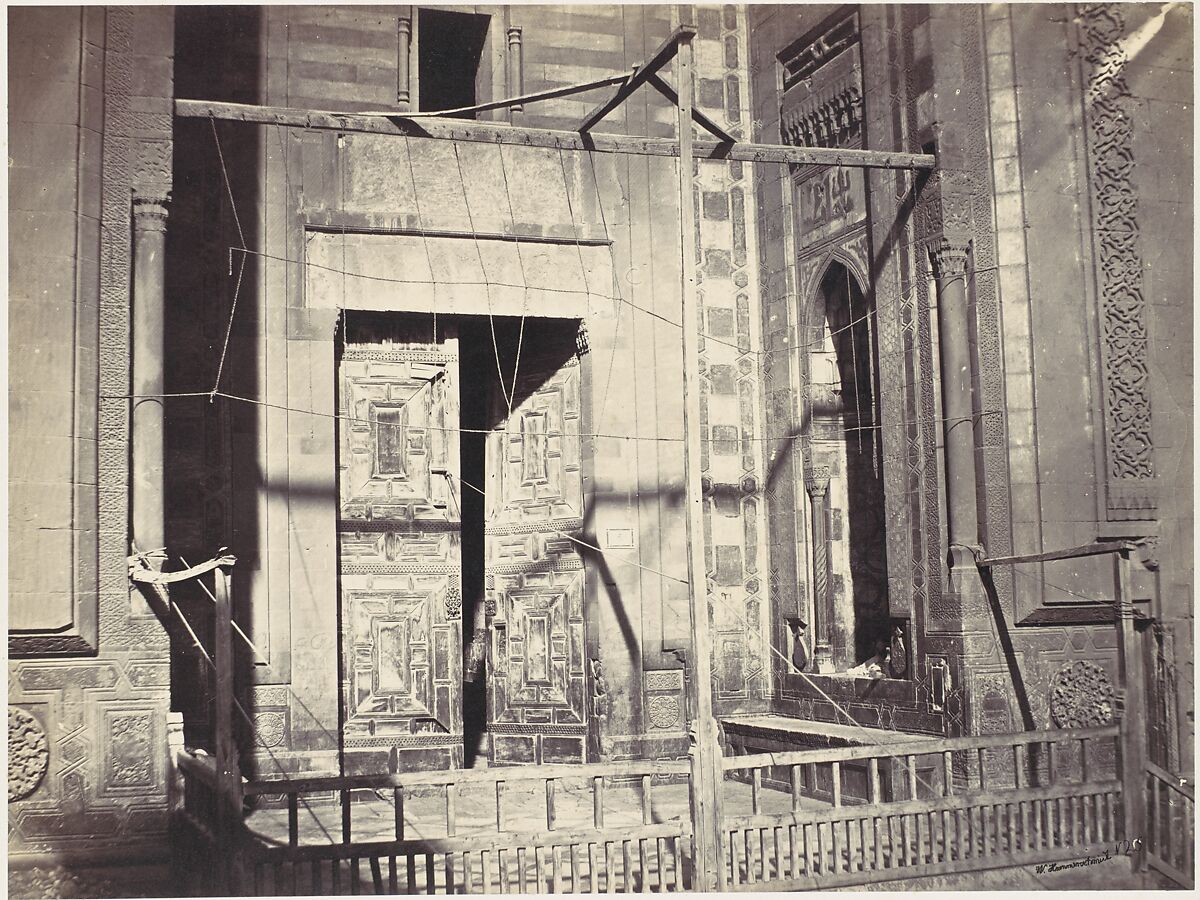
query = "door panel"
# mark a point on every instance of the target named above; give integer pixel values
(399, 536)
(536, 701)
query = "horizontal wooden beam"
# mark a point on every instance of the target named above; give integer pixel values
(1097, 549)
(641, 74)
(472, 777)
(495, 133)
(915, 745)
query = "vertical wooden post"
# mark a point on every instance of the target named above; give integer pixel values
(1132, 708)
(229, 775)
(706, 771)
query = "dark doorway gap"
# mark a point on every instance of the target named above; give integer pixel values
(449, 49)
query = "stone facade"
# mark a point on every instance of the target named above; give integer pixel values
(302, 264)
(1044, 179)
(89, 677)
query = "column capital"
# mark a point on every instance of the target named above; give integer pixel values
(150, 206)
(816, 480)
(950, 258)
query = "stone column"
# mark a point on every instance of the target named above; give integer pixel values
(515, 69)
(403, 48)
(958, 410)
(817, 484)
(149, 239)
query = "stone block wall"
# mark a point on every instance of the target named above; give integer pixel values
(1049, 120)
(282, 348)
(90, 120)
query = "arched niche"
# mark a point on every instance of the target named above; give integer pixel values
(841, 435)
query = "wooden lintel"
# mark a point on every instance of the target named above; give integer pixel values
(641, 74)
(495, 133)
(1097, 549)
(698, 115)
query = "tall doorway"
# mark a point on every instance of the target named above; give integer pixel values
(461, 589)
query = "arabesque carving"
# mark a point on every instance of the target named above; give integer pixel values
(1081, 696)
(1130, 448)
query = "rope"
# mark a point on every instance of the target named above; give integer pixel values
(616, 283)
(782, 439)
(625, 560)
(412, 174)
(241, 269)
(486, 282)
(815, 344)
(524, 278)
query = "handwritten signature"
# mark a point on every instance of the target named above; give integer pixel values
(1120, 848)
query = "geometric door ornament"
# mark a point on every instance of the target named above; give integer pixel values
(399, 536)
(1081, 696)
(534, 572)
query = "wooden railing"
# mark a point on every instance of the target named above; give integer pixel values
(1171, 827)
(583, 829)
(853, 815)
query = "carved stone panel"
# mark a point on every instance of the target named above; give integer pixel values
(28, 753)
(1129, 438)
(1081, 696)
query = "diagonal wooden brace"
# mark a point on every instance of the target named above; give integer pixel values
(697, 115)
(640, 75)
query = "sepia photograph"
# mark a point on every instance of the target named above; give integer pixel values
(600, 448)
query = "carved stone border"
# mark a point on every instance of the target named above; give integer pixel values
(1129, 450)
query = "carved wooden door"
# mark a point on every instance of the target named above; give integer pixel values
(399, 536)
(534, 571)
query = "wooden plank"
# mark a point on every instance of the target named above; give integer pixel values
(550, 812)
(1171, 781)
(851, 878)
(666, 51)
(1186, 879)
(293, 820)
(647, 801)
(918, 746)
(472, 842)
(677, 854)
(498, 133)
(911, 807)
(1094, 549)
(609, 871)
(228, 782)
(705, 751)
(465, 777)
(627, 866)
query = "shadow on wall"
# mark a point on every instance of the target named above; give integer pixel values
(212, 447)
